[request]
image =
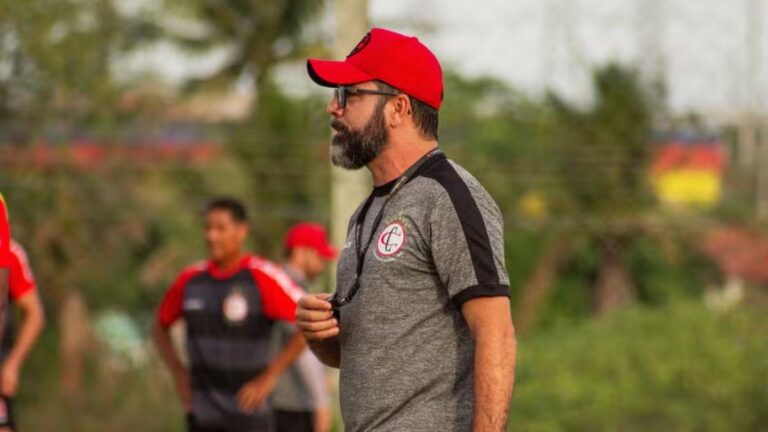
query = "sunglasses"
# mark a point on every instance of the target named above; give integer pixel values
(341, 93)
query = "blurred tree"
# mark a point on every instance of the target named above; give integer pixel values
(283, 148)
(56, 59)
(602, 162)
(277, 144)
(256, 35)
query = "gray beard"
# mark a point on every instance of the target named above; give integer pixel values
(352, 149)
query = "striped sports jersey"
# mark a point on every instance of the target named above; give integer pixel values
(229, 317)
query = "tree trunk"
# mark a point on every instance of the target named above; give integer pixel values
(614, 287)
(74, 331)
(537, 289)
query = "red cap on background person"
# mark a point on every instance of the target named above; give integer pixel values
(310, 235)
(401, 61)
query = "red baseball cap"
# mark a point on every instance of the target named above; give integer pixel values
(310, 235)
(398, 60)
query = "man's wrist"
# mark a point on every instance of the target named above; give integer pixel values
(273, 370)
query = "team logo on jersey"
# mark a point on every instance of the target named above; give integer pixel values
(235, 306)
(391, 239)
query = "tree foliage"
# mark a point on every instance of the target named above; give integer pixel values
(257, 34)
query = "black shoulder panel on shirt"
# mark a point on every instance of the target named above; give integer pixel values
(471, 220)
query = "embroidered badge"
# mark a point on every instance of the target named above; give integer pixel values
(235, 306)
(391, 239)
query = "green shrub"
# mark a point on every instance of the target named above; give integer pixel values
(676, 368)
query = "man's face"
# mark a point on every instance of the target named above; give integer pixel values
(224, 236)
(361, 132)
(312, 263)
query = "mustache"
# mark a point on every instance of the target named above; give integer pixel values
(339, 126)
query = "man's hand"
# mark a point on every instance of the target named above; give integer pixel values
(322, 419)
(9, 378)
(184, 390)
(256, 391)
(314, 317)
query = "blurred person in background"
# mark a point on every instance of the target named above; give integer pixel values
(420, 323)
(16, 346)
(301, 398)
(229, 304)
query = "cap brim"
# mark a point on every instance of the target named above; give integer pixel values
(328, 252)
(329, 73)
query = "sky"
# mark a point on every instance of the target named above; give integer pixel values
(700, 46)
(539, 44)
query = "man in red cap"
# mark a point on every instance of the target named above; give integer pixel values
(300, 399)
(419, 325)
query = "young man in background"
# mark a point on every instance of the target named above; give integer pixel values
(229, 304)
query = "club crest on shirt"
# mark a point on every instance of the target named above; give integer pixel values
(235, 306)
(391, 239)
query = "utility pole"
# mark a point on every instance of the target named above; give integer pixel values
(650, 31)
(752, 142)
(348, 188)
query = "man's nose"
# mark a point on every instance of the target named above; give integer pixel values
(333, 107)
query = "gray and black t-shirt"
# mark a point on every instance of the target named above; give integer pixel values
(406, 351)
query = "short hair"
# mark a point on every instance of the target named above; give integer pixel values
(234, 207)
(424, 116)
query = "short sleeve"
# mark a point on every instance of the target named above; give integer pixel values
(170, 308)
(21, 279)
(467, 243)
(280, 295)
(5, 235)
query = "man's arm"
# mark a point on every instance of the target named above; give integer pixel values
(31, 326)
(254, 393)
(314, 318)
(162, 338)
(490, 321)
(313, 375)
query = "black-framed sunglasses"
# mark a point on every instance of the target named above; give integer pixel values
(342, 92)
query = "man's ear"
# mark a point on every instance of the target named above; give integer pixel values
(243, 229)
(401, 110)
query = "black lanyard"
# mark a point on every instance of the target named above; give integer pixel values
(432, 157)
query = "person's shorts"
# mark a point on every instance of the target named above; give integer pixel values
(293, 421)
(194, 426)
(6, 413)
